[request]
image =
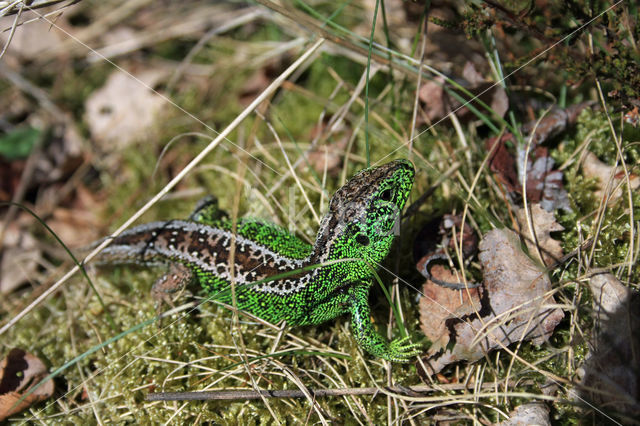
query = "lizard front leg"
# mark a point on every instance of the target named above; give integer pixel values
(367, 337)
(174, 281)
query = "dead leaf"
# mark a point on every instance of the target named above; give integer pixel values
(610, 375)
(470, 74)
(543, 223)
(534, 413)
(632, 117)
(543, 182)
(124, 109)
(20, 371)
(443, 232)
(437, 103)
(514, 305)
(30, 41)
(10, 173)
(66, 223)
(440, 304)
(452, 224)
(329, 154)
(503, 163)
(19, 258)
(609, 179)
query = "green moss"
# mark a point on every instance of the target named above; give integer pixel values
(613, 232)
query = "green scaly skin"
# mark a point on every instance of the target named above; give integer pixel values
(277, 276)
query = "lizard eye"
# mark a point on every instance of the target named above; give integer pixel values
(362, 239)
(386, 195)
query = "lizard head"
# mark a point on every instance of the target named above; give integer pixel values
(364, 214)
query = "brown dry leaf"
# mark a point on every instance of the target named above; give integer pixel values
(632, 117)
(330, 154)
(544, 183)
(76, 227)
(20, 256)
(20, 371)
(30, 40)
(609, 180)
(610, 375)
(124, 109)
(515, 305)
(10, 173)
(502, 162)
(544, 223)
(469, 238)
(440, 304)
(79, 222)
(253, 86)
(437, 103)
(432, 96)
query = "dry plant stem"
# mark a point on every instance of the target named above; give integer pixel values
(98, 28)
(293, 172)
(527, 208)
(43, 99)
(340, 377)
(415, 206)
(307, 393)
(221, 136)
(243, 19)
(419, 82)
(29, 88)
(618, 141)
(12, 32)
(414, 391)
(32, 4)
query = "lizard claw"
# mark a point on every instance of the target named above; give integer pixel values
(401, 352)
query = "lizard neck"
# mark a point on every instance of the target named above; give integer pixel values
(330, 228)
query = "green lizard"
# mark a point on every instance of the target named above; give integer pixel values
(312, 284)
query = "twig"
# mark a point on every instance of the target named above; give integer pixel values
(296, 393)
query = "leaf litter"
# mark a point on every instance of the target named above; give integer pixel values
(514, 303)
(20, 371)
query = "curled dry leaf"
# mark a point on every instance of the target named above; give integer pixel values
(440, 304)
(610, 179)
(610, 375)
(124, 109)
(513, 304)
(20, 371)
(543, 182)
(541, 243)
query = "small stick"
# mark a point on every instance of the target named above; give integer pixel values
(295, 393)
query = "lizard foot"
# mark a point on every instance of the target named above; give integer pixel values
(168, 285)
(401, 352)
